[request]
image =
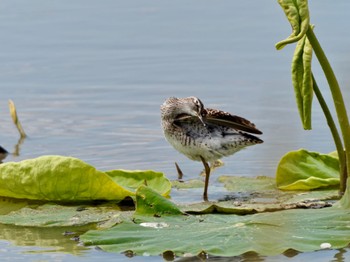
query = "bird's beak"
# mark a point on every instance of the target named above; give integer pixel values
(201, 119)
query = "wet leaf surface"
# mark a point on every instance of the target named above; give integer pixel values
(269, 233)
(55, 215)
(305, 228)
(68, 179)
(305, 170)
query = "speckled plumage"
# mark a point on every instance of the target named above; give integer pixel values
(204, 134)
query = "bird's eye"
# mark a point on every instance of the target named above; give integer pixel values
(198, 104)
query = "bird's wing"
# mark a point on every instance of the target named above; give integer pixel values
(218, 117)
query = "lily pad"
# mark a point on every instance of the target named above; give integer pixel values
(299, 229)
(304, 170)
(229, 235)
(67, 179)
(252, 195)
(54, 215)
(49, 239)
(248, 184)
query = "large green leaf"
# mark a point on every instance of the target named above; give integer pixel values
(222, 235)
(60, 178)
(304, 170)
(267, 233)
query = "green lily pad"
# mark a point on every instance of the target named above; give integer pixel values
(304, 170)
(229, 235)
(67, 179)
(48, 239)
(300, 229)
(215, 234)
(248, 184)
(250, 195)
(54, 215)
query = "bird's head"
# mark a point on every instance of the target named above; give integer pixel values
(182, 108)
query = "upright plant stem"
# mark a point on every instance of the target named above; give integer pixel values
(335, 133)
(337, 98)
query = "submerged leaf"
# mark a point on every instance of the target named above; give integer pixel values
(304, 170)
(302, 230)
(60, 178)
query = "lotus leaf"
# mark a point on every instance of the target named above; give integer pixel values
(230, 235)
(67, 179)
(54, 215)
(304, 170)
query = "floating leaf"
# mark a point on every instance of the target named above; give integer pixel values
(54, 215)
(48, 239)
(253, 195)
(248, 184)
(304, 170)
(59, 178)
(192, 183)
(149, 202)
(230, 235)
(297, 12)
(302, 80)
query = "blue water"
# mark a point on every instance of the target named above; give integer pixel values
(88, 78)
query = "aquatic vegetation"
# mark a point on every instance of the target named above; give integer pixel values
(66, 189)
(53, 192)
(68, 179)
(216, 234)
(304, 170)
(297, 12)
(13, 113)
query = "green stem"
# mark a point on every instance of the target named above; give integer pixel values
(334, 131)
(337, 98)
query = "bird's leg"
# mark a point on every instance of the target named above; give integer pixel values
(179, 172)
(207, 174)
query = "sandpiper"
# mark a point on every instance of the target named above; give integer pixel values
(204, 134)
